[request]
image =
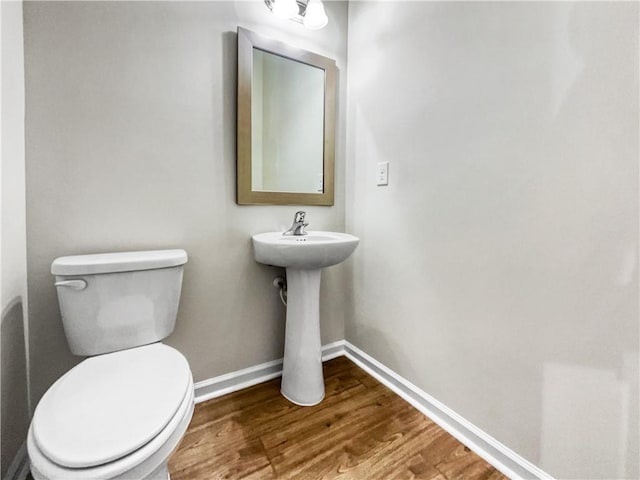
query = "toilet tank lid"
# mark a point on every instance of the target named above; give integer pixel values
(118, 262)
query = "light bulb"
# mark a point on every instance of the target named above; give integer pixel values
(315, 16)
(285, 8)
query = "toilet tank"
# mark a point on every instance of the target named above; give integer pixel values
(115, 301)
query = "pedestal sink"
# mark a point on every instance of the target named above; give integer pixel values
(304, 257)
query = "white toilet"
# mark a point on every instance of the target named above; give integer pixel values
(120, 413)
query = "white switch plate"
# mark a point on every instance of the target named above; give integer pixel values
(382, 173)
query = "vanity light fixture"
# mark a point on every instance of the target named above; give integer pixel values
(284, 8)
(315, 17)
(308, 12)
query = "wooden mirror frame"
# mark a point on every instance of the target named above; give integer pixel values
(247, 41)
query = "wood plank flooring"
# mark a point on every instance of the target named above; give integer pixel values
(361, 430)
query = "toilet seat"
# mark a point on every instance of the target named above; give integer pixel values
(171, 409)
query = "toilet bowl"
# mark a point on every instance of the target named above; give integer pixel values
(115, 416)
(120, 413)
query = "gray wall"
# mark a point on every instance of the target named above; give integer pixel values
(498, 271)
(14, 414)
(131, 145)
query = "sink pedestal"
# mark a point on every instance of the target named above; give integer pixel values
(304, 257)
(302, 380)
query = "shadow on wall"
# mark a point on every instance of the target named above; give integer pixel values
(596, 404)
(14, 411)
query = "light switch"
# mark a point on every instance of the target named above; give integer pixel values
(382, 173)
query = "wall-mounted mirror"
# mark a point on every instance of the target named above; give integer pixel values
(286, 123)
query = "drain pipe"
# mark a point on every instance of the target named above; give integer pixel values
(281, 284)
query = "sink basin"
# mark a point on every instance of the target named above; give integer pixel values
(304, 257)
(314, 250)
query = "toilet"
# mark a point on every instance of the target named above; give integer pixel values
(120, 413)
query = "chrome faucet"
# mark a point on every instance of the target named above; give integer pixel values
(298, 225)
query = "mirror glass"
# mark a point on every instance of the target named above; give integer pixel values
(287, 110)
(286, 125)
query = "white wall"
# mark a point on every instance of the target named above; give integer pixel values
(14, 413)
(13, 174)
(131, 145)
(499, 269)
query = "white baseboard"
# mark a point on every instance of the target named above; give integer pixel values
(19, 468)
(247, 377)
(487, 447)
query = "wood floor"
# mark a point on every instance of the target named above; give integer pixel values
(361, 430)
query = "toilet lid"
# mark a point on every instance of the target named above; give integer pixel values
(110, 405)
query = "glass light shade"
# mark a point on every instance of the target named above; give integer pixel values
(315, 16)
(284, 8)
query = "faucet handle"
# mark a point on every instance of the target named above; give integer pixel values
(298, 225)
(299, 216)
